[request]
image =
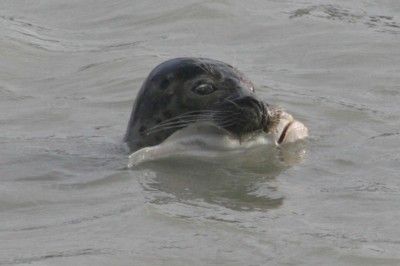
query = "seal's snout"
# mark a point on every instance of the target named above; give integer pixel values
(247, 114)
(251, 108)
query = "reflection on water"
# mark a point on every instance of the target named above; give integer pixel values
(243, 180)
(190, 180)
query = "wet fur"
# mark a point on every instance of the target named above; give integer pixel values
(165, 103)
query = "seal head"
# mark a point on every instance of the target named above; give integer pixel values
(182, 91)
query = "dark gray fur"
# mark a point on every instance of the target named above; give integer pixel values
(167, 93)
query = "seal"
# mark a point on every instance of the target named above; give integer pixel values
(182, 91)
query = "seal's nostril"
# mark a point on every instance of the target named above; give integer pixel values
(254, 104)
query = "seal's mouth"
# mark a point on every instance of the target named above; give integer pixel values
(248, 115)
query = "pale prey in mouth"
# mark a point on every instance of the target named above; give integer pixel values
(285, 129)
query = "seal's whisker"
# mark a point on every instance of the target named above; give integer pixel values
(195, 113)
(235, 115)
(232, 98)
(227, 121)
(204, 111)
(226, 117)
(209, 114)
(228, 124)
(175, 125)
(234, 104)
(166, 128)
(178, 125)
(182, 120)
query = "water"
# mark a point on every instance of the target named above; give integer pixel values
(69, 71)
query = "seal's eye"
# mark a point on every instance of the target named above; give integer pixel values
(204, 89)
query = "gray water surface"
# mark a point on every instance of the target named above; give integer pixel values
(70, 70)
